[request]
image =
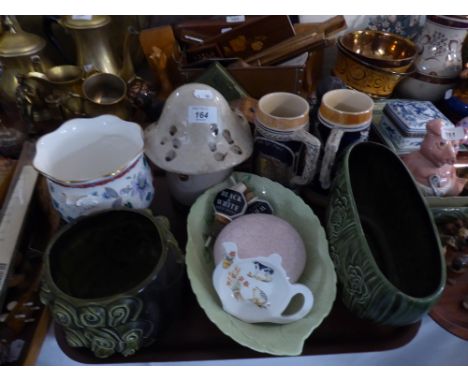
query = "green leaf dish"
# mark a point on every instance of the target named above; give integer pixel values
(319, 274)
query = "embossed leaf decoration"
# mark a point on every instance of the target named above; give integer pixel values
(319, 274)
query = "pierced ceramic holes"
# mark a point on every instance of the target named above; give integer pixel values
(220, 156)
(164, 141)
(227, 137)
(176, 143)
(236, 150)
(214, 129)
(173, 130)
(212, 146)
(170, 155)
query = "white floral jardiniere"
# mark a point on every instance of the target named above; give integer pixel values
(94, 164)
(133, 189)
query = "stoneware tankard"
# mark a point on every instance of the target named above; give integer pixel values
(345, 116)
(281, 135)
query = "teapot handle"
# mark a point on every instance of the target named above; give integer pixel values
(47, 25)
(305, 308)
(37, 64)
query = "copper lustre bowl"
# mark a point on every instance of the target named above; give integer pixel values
(382, 49)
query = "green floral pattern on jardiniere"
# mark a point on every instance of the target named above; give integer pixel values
(144, 269)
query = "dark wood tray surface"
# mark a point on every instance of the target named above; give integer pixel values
(193, 337)
(449, 312)
(37, 229)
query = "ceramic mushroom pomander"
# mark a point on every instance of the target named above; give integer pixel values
(198, 140)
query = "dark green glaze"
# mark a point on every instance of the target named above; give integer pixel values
(111, 279)
(382, 238)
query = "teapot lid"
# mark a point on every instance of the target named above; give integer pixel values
(20, 43)
(84, 22)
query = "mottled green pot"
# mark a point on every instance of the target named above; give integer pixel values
(382, 238)
(112, 280)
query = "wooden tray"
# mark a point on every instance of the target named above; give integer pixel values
(25, 329)
(194, 337)
(449, 312)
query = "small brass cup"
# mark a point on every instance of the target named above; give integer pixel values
(105, 93)
(66, 77)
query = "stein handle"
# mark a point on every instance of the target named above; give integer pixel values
(312, 145)
(331, 148)
(297, 289)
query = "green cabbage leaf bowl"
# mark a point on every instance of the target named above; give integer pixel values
(319, 274)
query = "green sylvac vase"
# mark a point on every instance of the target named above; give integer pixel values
(113, 280)
(382, 238)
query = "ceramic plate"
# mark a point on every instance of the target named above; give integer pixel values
(319, 274)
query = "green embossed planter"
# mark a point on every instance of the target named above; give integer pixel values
(382, 238)
(112, 280)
